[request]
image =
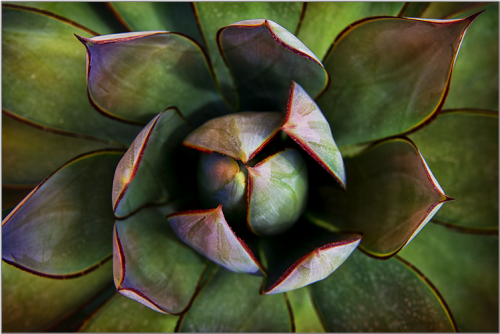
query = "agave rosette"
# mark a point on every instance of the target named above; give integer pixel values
(211, 168)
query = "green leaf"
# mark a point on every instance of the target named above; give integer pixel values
(464, 268)
(305, 315)
(240, 135)
(391, 196)
(369, 295)
(135, 76)
(42, 60)
(474, 83)
(231, 303)
(222, 181)
(323, 21)
(264, 58)
(31, 154)
(92, 15)
(151, 265)
(214, 15)
(277, 192)
(461, 148)
(64, 226)
(413, 9)
(151, 168)
(304, 255)
(306, 125)
(207, 232)
(32, 303)
(121, 314)
(170, 16)
(447, 10)
(389, 76)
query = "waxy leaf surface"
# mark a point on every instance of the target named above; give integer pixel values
(222, 181)
(305, 315)
(388, 76)
(135, 76)
(231, 303)
(464, 268)
(304, 255)
(306, 124)
(151, 265)
(277, 191)
(151, 168)
(33, 304)
(264, 58)
(461, 149)
(208, 233)
(122, 314)
(391, 196)
(214, 15)
(93, 15)
(64, 226)
(169, 16)
(323, 21)
(239, 135)
(32, 63)
(369, 295)
(29, 154)
(474, 83)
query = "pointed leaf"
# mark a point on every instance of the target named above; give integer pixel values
(122, 314)
(64, 226)
(240, 135)
(222, 181)
(151, 167)
(32, 303)
(461, 148)
(264, 58)
(209, 234)
(391, 196)
(92, 15)
(369, 295)
(134, 76)
(151, 265)
(212, 16)
(474, 83)
(42, 59)
(232, 303)
(447, 10)
(29, 154)
(304, 255)
(323, 21)
(277, 192)
(464, 268)
(396, 80)
(169, 16)
(305, 315)
(307, 125)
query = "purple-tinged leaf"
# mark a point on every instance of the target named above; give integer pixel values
(389, 75)
(209, 234)
(392, 195)
(241, 135)
(151, 265)
(64, 226)
(264, 58)
(150, 169)
(306, 125)
(277, 191)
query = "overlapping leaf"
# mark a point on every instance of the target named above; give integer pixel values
(151, 265)
(388, 76)
(392, 195)
(64, 226)
(305, 315)
(369, 295)
(264, 58)
(41, 59)
(461, 148)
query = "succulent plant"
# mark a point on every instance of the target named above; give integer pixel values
(250, 167)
